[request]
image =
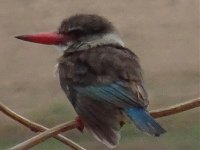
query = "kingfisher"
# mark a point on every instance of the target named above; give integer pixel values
(100, 76)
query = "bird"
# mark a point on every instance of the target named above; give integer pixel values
(101, 77)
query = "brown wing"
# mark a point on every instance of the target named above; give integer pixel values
(104, 65)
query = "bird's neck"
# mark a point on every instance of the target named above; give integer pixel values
(91, 42)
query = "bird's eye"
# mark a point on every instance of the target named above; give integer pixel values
(76, 31)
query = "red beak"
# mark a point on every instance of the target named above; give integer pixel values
(48, 38)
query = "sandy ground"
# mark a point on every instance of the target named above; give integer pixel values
(164, 34)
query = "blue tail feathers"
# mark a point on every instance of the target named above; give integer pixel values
(144, 121)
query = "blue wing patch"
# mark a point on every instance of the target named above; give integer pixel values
(114, 93)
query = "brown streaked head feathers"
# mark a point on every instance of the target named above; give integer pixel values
(83, 25)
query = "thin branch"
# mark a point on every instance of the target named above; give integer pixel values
(71, 125)
(61, 128)
(37, 127)
(176, 108)
(45, 135)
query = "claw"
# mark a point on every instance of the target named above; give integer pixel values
(80, 124)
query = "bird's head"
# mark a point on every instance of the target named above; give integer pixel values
(77, 33)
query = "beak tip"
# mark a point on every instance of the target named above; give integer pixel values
(21, 37)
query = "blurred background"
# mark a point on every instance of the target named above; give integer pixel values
(164, 34)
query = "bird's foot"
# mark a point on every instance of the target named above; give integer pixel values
(80, 125)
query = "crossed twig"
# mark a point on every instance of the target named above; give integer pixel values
(54, 132)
